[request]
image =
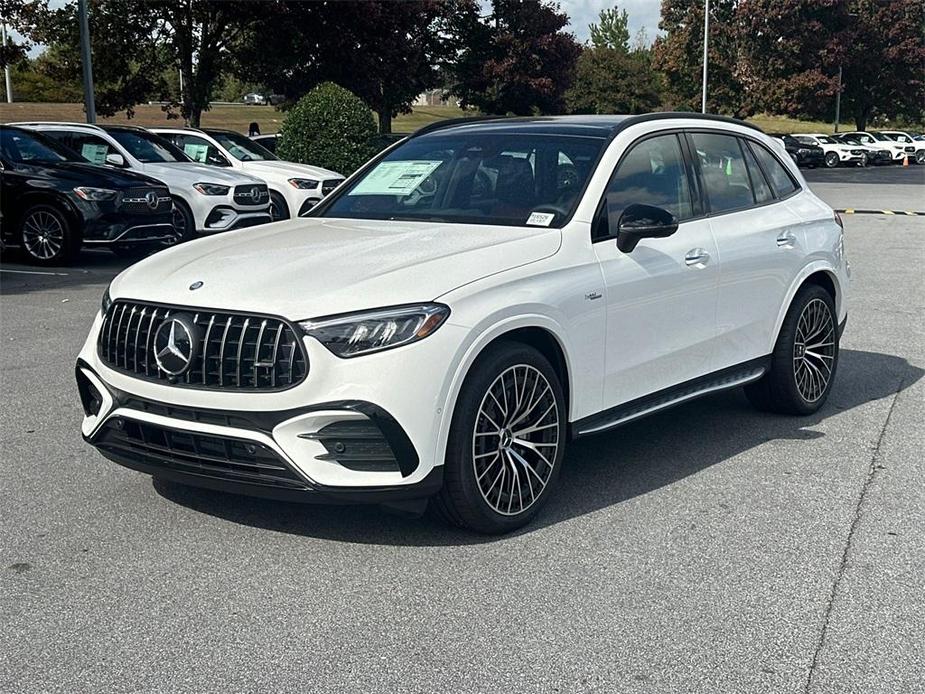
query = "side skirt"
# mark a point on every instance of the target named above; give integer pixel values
(731, 377)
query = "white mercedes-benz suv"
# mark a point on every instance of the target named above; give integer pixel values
(463, 305)
(206, 200)
(294, 188)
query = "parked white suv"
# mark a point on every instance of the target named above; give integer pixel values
(917, 154)
(898, 150)
(835, 152)
(294, 188)
(467, 302)
(206, 200)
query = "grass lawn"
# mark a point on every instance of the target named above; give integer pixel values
(238, 117)
(234, 117)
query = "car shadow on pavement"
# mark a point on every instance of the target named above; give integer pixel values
(599, 471)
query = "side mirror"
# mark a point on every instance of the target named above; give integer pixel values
(115, 160)
(643, 222)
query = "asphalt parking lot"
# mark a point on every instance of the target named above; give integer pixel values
(707, 549)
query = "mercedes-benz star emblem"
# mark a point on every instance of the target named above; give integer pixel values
(195, 285)
(175, 345)
(151, 199)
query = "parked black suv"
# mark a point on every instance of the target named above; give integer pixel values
(809, 156)
(52, 201)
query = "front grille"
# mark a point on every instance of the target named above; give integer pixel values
(135, 201)
(252, 194)
(219, 457)
(230, 351)
(328, 186)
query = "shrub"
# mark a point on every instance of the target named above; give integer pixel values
(328, 127)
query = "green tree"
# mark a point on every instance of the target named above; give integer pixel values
(610, 80)
(611, 30)
(134, 43)
(795, 48)
(520, 61)
(678, 55)
(328, 127)
(385, 52)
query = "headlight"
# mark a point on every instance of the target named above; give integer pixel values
(353, 334)
(303, 183)
(95, 194)
(106, 302)
(211, 188)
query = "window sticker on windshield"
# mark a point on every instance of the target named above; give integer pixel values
(395, 177)
(94, 153)
(540, 219)
(196, 152)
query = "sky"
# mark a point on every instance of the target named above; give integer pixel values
(642, 13)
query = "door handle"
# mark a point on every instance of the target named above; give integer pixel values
(696, 256)
(786, 239)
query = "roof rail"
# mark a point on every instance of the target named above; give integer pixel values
(450, 122)
(29, 124)
(671, 115)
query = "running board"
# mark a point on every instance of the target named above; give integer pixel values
(622, 414)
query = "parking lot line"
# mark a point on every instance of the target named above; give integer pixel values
(34, 272)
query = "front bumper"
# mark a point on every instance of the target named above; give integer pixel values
(227, 217)
(398, 397)
(250, 452)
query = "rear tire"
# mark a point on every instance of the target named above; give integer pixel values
(805, 357)
(506, 442)
(48, 236)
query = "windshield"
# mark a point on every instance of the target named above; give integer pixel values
(146, 147)
(20, 147)
(881, 137)
(806, 140)
(240, 147)
(513, 179)
(826, 140)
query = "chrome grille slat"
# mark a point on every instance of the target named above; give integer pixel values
(248, 355)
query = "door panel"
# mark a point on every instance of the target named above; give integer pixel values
(759, 239)
(661, 311)
(661, 296)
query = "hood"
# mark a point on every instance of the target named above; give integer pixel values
(288, 169)
(305, 268)
(84, 174)
(182, 173)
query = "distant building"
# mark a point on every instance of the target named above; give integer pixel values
(435, 97)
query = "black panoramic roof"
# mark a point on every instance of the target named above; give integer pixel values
(602, 126)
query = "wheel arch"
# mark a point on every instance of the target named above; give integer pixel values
(54, 199)
(819, 273)
(537, 331)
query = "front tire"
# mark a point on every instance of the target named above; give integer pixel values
(48, 236)
(805, 357)
(863, 161)
(920, 157)
(831, 160)
(279, 210)
(506, 442)
(183, 223)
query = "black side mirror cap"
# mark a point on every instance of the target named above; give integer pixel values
(643, 222)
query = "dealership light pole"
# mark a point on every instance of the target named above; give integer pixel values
(706, 44)
(6, 71)
(89, 101)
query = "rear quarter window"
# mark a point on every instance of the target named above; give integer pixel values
(782, 182)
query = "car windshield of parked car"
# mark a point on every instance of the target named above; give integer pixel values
(241, 147)
(516, 179)
(32, 148)
(806, 140)
(147, 148)
(882, 137)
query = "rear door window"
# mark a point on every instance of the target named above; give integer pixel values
(782, 182)
(725, 177)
